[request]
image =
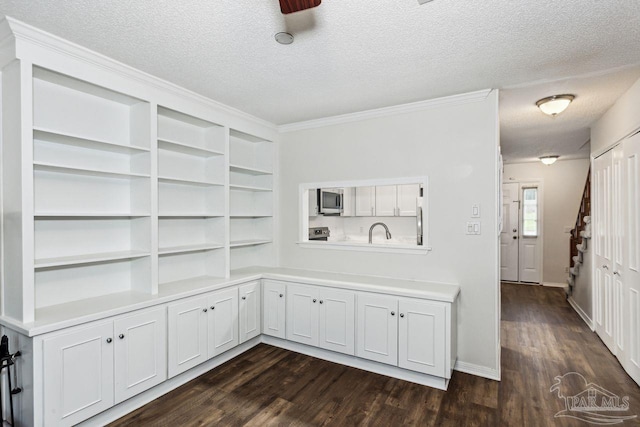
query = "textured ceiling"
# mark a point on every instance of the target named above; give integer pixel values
(526, 134)
(349, 55)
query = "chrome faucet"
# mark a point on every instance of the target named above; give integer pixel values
(385, 228)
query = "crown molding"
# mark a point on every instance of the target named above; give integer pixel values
(31, 35)
(463, 98)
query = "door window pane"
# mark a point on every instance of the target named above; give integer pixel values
(530, 212)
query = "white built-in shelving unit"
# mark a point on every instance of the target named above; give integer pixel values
(110, 194)
(191, 194)
(251, 164)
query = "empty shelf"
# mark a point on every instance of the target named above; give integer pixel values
(240, 243)
(189, 248)
(180, 147)
(87, 258)
(79, 141)
(249, 170)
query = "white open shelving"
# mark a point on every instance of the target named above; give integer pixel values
(128, 199)
(192, 202)
(92, 182)
(251, 200)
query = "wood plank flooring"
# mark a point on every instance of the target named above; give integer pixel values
(542, 337)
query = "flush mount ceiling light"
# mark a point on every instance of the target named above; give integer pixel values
(554, 105)
(284, 38)
(549, 160)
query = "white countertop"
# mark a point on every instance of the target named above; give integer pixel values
(49, 319)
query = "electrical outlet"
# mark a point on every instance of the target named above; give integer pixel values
(361, 230)
(566, 269)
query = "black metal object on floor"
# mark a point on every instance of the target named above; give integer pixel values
(6, 361)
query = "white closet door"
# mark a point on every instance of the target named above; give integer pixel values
(618, 221)
(603, 267)
(631, 271)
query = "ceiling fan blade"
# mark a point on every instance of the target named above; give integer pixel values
(290, 6)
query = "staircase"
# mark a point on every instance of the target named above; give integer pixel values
(580, 234)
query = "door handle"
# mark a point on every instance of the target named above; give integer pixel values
(617, 273)
(605, 267)
(515, 237)
(515, 230)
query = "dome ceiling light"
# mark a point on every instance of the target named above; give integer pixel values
(554, 105)
(549, 160)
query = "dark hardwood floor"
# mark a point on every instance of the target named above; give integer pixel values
(542, 337)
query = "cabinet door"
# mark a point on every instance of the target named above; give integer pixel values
(78, 375)
(386, 200)
(337, 321)
(140, 352)
(349, 202)
(249, 309)
(377, 328)
(407, 196)
(187, 334)
(223, 321)
(273, 321)
(302, 314)
(365, 201)
(421, 341)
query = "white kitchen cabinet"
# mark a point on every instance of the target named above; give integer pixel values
(337, 320)
(78, 374)
(377, 329)
(187, 334)
(349, 201)
(397, 200)
(321, 317)
(386, 204)
(313, 202)
(140, 352)
(274, 308)
(421, 336)
(222, 326)
(249, 311)
(302, 314)
(365, 201)
(406, 199)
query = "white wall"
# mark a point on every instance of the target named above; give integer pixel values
(455, 145)
(582, 293)
(618, 122)
(563, 184)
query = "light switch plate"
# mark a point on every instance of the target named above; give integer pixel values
(473, 228)
(475, 210)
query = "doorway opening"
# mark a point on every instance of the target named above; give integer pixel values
(521, 236)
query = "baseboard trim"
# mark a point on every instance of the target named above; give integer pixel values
(477, 370)
(554, 285)
(581, 313)
(356, 362)
(165, 387)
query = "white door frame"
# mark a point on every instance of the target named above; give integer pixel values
(539, 184)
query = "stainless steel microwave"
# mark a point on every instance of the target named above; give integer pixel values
(331, 201)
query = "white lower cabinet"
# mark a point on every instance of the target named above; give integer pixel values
(321, 317)
(187, 337)
(377, 328)
(421, 337)
(250, 305)
(274, 308)
(89, 369)
(222, 326)
(405, 332)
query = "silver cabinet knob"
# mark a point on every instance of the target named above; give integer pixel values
(109, 340)
(314, 300)
(244, 297)
(281, 295)
(213, 307)
(321, 301)
(393, 313)
(401, 314)
(204, 309)
(121, 336)
(617, 273)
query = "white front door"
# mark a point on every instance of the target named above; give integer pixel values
(510, 233)
(631, 271)
(530, 253)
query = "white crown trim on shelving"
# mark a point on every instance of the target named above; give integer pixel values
(29, 34)
(463, 98)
